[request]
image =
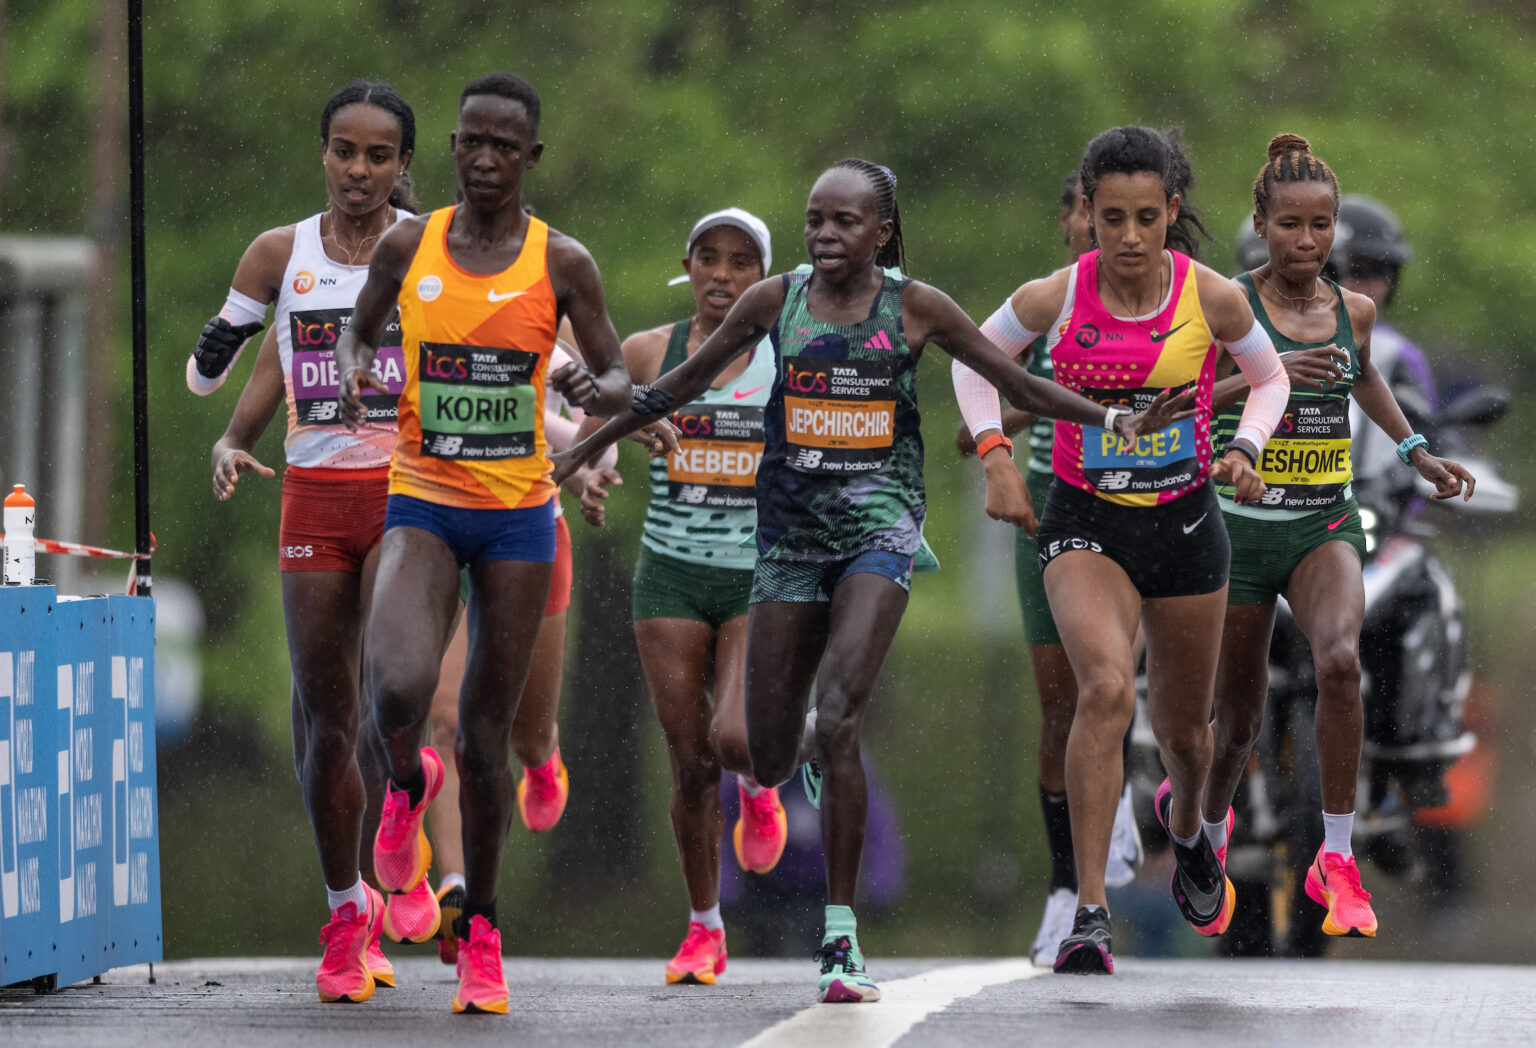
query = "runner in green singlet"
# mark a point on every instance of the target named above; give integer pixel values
(840, 500)
(1303, 539)
(693, 578)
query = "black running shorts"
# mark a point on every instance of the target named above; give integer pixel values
(1178, 549)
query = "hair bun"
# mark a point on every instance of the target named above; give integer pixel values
(1285, 143)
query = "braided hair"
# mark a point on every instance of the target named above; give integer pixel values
(882, 181)
(1291, 160)
(1132, 150)
(381, 96)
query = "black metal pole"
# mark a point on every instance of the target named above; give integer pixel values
(140, 327)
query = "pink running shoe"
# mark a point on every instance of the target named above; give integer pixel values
(542, 793)
(343, 974)
(378, 966)
(450, 902)
(1221, 853)
(700, 958)
(401, 852)
(761, 830)
(1334, 882)
(412, 916)
(482, 987)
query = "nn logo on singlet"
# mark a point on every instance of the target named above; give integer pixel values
(1088, 336)
(304, 282)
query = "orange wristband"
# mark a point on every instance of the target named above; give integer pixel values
(991, 442)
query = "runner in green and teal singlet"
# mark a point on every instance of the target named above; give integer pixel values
(842, 469)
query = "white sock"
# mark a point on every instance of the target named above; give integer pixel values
(709, 918)
(452, 880)
(1337, 830)
(1188, 842)
(1215, 832)
(357, 895)
(749, 785)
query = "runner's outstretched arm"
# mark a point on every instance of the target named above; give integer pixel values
(744, 327)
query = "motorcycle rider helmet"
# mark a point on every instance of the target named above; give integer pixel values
(1368, 241)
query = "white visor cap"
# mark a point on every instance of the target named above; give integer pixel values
(745, 221)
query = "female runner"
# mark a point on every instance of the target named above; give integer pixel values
(545, 787)
(839, 492)
(313, 269)
(1304, 539)
(1130, 530)
(693, 580)
(1048, 658)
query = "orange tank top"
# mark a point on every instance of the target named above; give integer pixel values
(476, 349)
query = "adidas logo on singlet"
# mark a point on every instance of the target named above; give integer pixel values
(880, 341)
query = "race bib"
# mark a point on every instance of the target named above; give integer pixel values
(477, 402)
(1152, 463)
(1306, 465)
(839, 415)
(721, 448)
(315, 333)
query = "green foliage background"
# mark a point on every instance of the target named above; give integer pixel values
(655, 114)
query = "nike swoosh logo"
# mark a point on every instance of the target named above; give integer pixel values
(492, 296)
(1158, 338)
(1189, 529)
(743, 396)
(1338, 522)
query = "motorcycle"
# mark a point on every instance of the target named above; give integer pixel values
(1414, 683)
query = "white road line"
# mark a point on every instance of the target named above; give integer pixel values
(902, 1005)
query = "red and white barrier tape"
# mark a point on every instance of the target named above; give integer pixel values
(80, 549)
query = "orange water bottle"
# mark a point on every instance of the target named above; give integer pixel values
(20, 553)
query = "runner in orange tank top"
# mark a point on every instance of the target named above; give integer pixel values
(481, 289)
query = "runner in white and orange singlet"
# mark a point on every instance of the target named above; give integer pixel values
(334, 490)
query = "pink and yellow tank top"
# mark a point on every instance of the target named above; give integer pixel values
(476, 351)
(1116, 360)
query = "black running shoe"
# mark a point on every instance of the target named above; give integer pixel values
(1200, 887)
(1086, 950)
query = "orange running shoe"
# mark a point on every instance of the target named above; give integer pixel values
(542, 793)
(343, 974)
(700, 958)
(482, 986)
(378, 966)
(1333, 882)
(401, 851)
(450, 902)
(761, 830)
(412, 916)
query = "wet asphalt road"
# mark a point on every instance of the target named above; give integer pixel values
(1235, 1004)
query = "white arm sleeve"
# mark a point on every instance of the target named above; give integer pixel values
(980, 405)
(239, 308)
(1268, 386)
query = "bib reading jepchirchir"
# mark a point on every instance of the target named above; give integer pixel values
(477, 402)
(839, 415)
(717, 466)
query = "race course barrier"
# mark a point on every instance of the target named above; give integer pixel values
(79, 807)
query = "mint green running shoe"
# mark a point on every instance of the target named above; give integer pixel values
(843, 978)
